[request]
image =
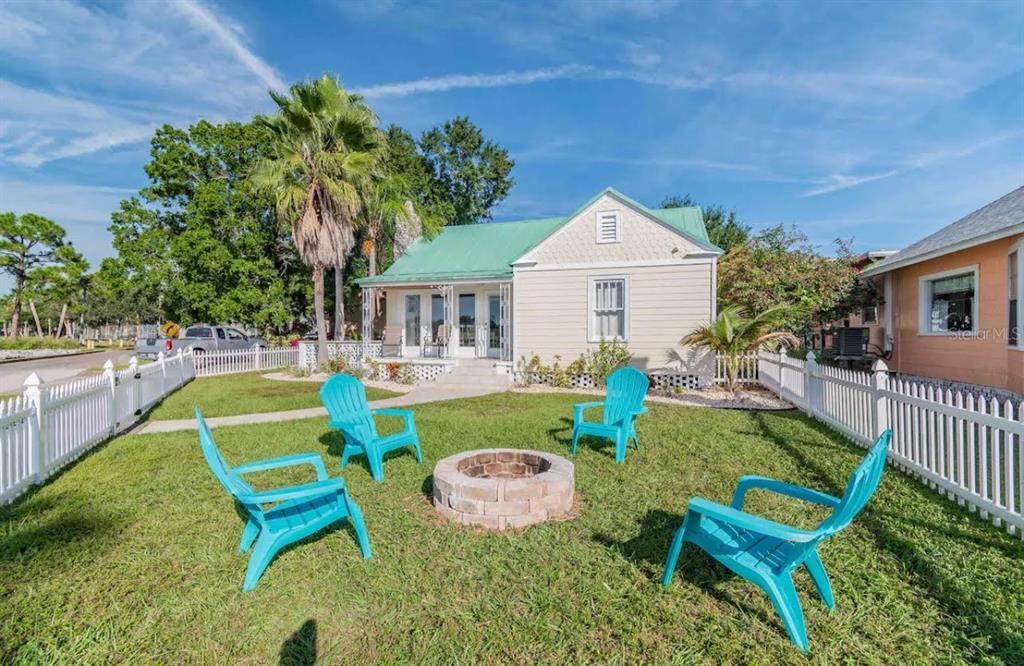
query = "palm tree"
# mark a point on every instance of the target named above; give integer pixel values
(734, 333)
(326, 147)
(384, 206)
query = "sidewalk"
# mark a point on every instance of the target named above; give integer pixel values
(419, 395)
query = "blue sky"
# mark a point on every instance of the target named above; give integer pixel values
(873, 122)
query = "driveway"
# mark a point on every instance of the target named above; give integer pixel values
(13, 374)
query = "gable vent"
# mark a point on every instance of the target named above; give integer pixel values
(608, 227)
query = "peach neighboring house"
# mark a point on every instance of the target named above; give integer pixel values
(951, 301)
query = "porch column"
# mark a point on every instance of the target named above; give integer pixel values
(369, 294)
(505, 324)
(448, 293)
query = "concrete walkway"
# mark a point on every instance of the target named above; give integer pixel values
(419, 395)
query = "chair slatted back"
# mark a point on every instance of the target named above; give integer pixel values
(627, 388)
(861, 486)
(231, 481)
(345, 400)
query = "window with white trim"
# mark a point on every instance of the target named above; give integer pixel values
(609, 228)
(1014, 274)
(609, 301)
(949, 302)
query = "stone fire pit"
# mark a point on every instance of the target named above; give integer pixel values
(503, 488)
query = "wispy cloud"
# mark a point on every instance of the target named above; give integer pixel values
(113, 75)
(945, 154)
(63, 201)
(837, 87)
(204, 19)
(457, 81)
(595, 10)
(930, 158)
(836, 182)
(670, 162)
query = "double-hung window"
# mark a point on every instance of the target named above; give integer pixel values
(949, 302)
(609, 308)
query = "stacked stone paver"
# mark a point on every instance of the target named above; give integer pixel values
(503, 488)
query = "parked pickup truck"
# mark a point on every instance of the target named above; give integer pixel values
(200, 338)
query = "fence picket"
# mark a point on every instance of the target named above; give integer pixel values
(965, 446)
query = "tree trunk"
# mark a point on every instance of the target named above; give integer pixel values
(19, 285)
(321, 321)
(373, 249)
(12, 332)
(339, 301)
(62, 321)
(35, 317)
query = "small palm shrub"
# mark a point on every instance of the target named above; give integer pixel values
(733, 333)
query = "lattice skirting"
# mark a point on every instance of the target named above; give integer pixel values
(353, 352)
(670, 380)
(660, 380)
(410, 372)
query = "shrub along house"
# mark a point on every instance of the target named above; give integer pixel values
(951, 305)
(614, 269)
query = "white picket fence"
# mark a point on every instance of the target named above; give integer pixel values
(965, 446)
(49, 426)
(227, 362)
(746, 372)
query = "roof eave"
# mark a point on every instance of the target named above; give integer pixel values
(888, 265)
(400, 281)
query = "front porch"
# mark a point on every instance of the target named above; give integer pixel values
(449, 320)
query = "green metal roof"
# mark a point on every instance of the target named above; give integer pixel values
(487, 250)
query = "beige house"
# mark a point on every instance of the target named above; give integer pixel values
(554, 287)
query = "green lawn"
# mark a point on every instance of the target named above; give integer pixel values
(247, 393)
(131, 556)
(33, 342)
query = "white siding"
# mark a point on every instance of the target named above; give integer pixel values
(665, 303)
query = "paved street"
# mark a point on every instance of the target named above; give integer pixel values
(12, 375)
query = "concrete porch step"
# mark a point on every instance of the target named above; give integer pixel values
(475, 373)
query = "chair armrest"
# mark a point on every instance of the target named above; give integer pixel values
(392, 412)
(578, 409)
(313, 459)
(749, 521)
(314, 489)
(642, 410)
(404, 413)
(747, 483)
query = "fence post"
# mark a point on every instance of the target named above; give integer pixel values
(879, 402)
(108, 374)
(181, 366)
(163, 372)
(256, 356)
(34, 396)
(810, 370)
(133, 366)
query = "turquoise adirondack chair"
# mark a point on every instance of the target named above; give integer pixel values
(766, 552)
(297, 511)
(345, 400)
(624, 401)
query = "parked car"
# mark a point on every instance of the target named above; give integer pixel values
(200, 338)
